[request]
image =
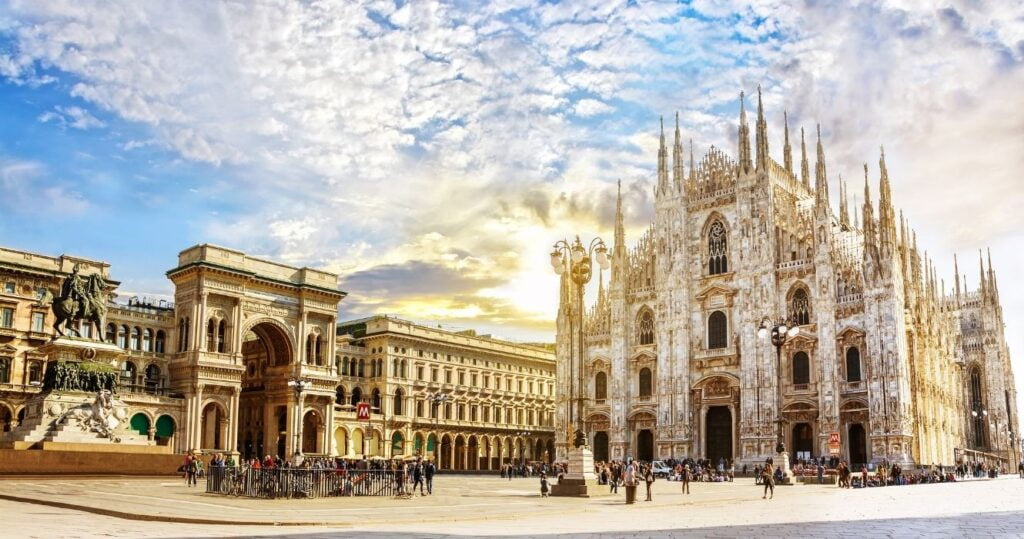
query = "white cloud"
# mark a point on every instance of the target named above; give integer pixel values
(592, 107)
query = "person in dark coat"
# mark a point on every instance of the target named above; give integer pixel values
(417, 476)
(428, 473)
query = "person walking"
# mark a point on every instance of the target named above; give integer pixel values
(186, 467)
(543, 485)
(768, 481)
(613, 481)
(684, 476)
(821, 474)
(649, 479)
(428, 473)
(417, 477)
(757, 474)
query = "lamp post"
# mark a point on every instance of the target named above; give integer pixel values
(435, 400)
(579, 261)
(779, 331)
(523, 433)
(298, 385)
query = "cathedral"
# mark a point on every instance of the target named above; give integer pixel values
(885, 364)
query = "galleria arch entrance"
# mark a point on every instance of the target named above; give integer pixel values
(262, 407)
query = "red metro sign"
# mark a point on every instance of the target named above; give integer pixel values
(363, 411)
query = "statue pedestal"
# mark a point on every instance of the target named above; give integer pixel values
(787, 472)
(580, 479)
(79, 350)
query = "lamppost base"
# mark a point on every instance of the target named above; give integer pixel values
(579, 480)
(787, 472)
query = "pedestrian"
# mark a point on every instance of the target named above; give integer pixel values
(186, 468)
(757, 474)
(543, 485)
(768, 481)
(684, 476)
(614, 481)
(509, 472)
(821, 474)
(428, 473)
(649, 479)
(417, 476)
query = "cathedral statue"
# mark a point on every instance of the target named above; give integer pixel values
(81, 298)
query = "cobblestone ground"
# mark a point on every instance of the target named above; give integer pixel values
(487, 506)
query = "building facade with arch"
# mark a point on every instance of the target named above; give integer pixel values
(887, 355)
(211, 370)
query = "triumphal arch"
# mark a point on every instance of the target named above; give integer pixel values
(251, 352)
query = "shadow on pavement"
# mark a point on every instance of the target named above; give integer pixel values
(998, 524)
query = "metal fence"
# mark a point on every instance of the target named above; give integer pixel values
(304, 482)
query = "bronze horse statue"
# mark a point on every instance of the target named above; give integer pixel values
(75, 304)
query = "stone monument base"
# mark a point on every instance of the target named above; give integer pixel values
(787, 472)
(580, 480)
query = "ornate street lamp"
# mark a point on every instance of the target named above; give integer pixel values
(298, 386)
(578, 260)
(435, 400)
(779, 331)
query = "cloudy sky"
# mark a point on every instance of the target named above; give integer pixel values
(432, 152)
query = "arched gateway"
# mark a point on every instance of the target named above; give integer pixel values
(251, 357)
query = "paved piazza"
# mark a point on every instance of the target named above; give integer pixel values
(474, 506)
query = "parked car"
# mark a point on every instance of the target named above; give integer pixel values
(660, 469)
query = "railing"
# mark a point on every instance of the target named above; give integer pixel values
(304, 482)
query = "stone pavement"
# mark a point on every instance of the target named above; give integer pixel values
(476, 506)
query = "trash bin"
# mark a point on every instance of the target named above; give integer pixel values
(630, 493)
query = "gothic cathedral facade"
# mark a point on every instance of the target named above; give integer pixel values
(674, 366)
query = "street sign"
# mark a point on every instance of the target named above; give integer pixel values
(363, 411)
(833, 443)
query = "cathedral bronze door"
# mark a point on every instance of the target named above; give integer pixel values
(718, 433)
(645, 445)
(601, 446)
(858, 446)
(803, 441)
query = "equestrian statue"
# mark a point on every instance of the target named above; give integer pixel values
(81, 298)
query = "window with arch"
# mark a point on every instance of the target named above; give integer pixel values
(375, 399)
(128, 372)
(134, 342)
(645, 382)
(977, 405)
(402, 371)
(357, 396)
(147, 340)
(339, 395)
(362, 368)
(211, 335)
(111, 334)
(122, 337)
(645, 327)
(5, 370)
(153, 378)
(801, 369)
(800, 307)
(718, 249)
(600, 387)
(853, 364)
(160, 343)
(222, 332)
(718, 330)
(398, 402)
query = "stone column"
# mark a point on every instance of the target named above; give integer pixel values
(201, 323)
(233, 424)
(330, 444)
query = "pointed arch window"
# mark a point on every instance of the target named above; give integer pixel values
(339, 395)
(645, 382)
(718, 331)
(977, 407)
(800, 308)
(801, 369)
(718, 249)
(853, 364)
(222, 332)
(645, 327)
(600, 387)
